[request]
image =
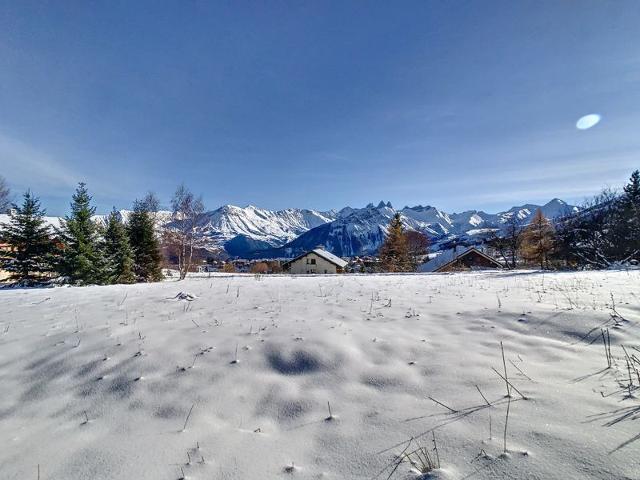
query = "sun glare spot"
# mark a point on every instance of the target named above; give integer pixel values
(588, 121)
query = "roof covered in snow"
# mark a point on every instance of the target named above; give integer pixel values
(321, 252)
(330, 257)
(442, 259)
(449, 256)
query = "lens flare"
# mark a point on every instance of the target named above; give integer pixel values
(588, 121)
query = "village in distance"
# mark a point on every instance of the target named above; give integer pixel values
(436, 357)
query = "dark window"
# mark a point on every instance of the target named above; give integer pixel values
(313, 261)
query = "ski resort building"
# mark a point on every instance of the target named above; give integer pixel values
(317, 260)
(460, 259)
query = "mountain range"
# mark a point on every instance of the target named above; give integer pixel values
(362, 231)
(252, 232)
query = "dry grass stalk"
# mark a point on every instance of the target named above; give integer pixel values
(442, 404)
(485, 398)
(188, 416)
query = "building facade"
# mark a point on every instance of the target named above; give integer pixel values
(317, 261)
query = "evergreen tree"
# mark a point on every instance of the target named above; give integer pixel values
(630, 221)
(538, 240)
(119, 257)
(632, 189)
(566, 228)
(144, 243)
(83, 262)
(31, 249)
(394, 252)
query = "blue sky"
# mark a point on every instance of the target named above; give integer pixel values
(319, 104)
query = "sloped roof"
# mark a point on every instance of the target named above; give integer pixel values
(449, 256)
(441, 259)
(329, 257)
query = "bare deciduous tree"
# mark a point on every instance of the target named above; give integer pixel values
(513, 237)
(229, 267)
(418, 246)
(5, 195)
(187, 212)
(590, 236)
(507, 240)
(260, 268)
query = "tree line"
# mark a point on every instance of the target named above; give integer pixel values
(86, 252)
(604, 232)
(516, 245)
(81, 250)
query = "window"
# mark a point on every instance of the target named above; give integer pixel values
(313, 261)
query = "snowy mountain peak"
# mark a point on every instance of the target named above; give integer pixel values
(253, 231)
(362, 231)
(383, 204)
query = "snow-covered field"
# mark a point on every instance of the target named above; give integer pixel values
(131, 382)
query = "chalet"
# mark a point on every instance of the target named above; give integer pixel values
(460, 259)
(317, 260)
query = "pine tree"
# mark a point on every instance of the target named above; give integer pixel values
(83, 262)
(394, 252)
(632, 189)
(538, 240)
(31, 249)
(144, 243)
(118, 254)
(630, 218)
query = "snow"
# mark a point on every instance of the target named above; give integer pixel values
(362, 231)
(349, 232)
(98, 382)
(330, 257)
(53, 222)
(162, 217)
(273, 227)
(442, 258)
(218, 226)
